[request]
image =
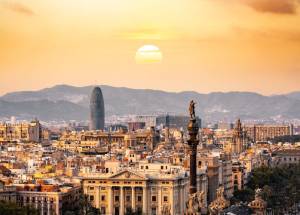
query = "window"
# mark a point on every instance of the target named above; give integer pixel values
(102, 198)
(147, 167)
(116, 198)
(139, 198)
(153, 198)
(161, 167)
(91, 188)
(165, 198)
(91, 198)
(127, 198)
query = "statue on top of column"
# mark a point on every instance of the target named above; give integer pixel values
(192, 109)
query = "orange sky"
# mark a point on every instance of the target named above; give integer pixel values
(207, 45)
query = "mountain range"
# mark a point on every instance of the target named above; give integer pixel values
(64, 102)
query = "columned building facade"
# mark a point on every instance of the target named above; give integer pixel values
(137, 191)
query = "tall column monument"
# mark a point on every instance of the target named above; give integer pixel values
(193, 141)
(196, 198)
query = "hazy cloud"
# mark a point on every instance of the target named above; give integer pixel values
(274, 6)
(17, 7)
(267, 34)
(148, 34)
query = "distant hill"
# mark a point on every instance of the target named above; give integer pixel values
(294, 95)
(63, 102)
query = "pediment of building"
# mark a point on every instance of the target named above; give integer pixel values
(126, 174)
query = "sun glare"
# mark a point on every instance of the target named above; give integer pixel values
(148, 54)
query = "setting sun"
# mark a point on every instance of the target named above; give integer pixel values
(148, 54)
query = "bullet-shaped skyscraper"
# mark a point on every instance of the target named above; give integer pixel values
(97, 110)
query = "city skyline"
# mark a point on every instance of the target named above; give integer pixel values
(247, 45)
(149, 107)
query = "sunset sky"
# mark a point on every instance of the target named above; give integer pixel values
(207, 45)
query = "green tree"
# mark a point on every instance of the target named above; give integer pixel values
(280, 186)
(8, 208)
(82, 207)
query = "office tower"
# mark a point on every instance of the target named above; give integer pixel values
(96, 110)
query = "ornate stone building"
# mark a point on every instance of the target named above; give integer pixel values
(27, 132)
(238, 139)
(258, 205)
(220, 203)
(145, 190)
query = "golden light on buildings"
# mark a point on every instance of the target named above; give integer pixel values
(148, 54)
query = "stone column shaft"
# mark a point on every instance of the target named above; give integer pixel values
(159, 200)
(172, 202)
(133, 198)
(97, 199)
(122, 200)
(110, 201)
(193, 169)
(48, 207)
(145, 206)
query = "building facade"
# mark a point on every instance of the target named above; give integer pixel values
(47, 199)
(259, 133)
(141, 190)
(26, 132)
(285, 157)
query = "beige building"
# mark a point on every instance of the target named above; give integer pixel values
(48, 199)
(213, 173)
(285, 157)
(239, 176)
(266, 132)
(99, 141)
(150, 189)
(226, 175)
(27, 132)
